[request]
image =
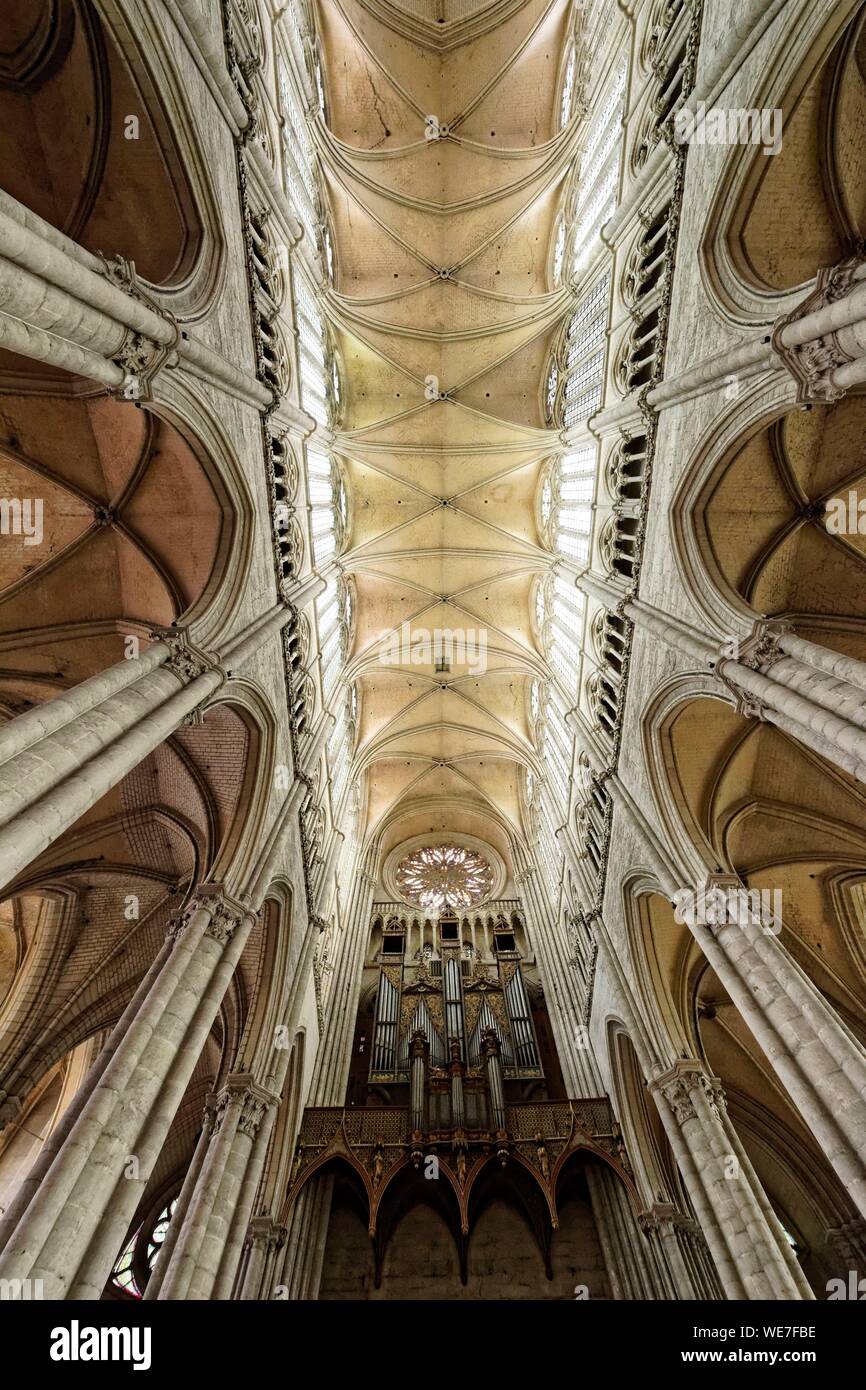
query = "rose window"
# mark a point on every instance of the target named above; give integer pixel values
(440, 876)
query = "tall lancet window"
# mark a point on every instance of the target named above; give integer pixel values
(566, 103)
(298, 155)
(598, 172)
(312, 351)
(319, 380)
(583, 367)
(573, 516)
(328, 620)
(322, 498)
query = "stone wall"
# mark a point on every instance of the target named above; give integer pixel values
(505, 1262)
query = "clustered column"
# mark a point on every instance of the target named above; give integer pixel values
(68, 1222)
(751, 1253)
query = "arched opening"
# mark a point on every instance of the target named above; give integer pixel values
(804, 207)
(83, 140)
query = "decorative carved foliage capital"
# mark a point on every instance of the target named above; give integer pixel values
(677, 1085)
(812, 363)
(761, 650)
(226, 917)
(677, 1093)
(10, 1109)
(140, 358)
(253, 1111)
(250, 1102)
(186, 660)
(225, 913)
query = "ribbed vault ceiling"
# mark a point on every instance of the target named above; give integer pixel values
(442, 271)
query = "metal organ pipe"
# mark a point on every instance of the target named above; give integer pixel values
(387, 1007)
(418, 1060)
(490, 1049)
(453, 999)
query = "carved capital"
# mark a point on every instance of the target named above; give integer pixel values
(253, 1111)
(812, 364)
(140, 358)
(265, 1233)
(250, 1101)
(761, 648)
(226, 913)
(848, 1242)
(683, 1084)
(186, 660)
(10, 1109)
(745, 702)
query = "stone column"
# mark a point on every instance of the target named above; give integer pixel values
(816, 696)
(60, 1133)
(193, 1267)
(60, 305)
(71, 1229)
(37, 723)
(748, 1244)
(631, 1268)
(804, 716)
(232, 1213)
(155, 1282)
(128, 1193)
(335, 1052)
(265, 1238)
(678, 1243)
(822, 343)
(681, 1253)
(213, 1251)
(816, 1057)
(308, 1222)
(53, 780)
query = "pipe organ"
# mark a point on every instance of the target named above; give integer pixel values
(452, 1019)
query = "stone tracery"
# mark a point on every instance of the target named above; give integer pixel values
(525, 367)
